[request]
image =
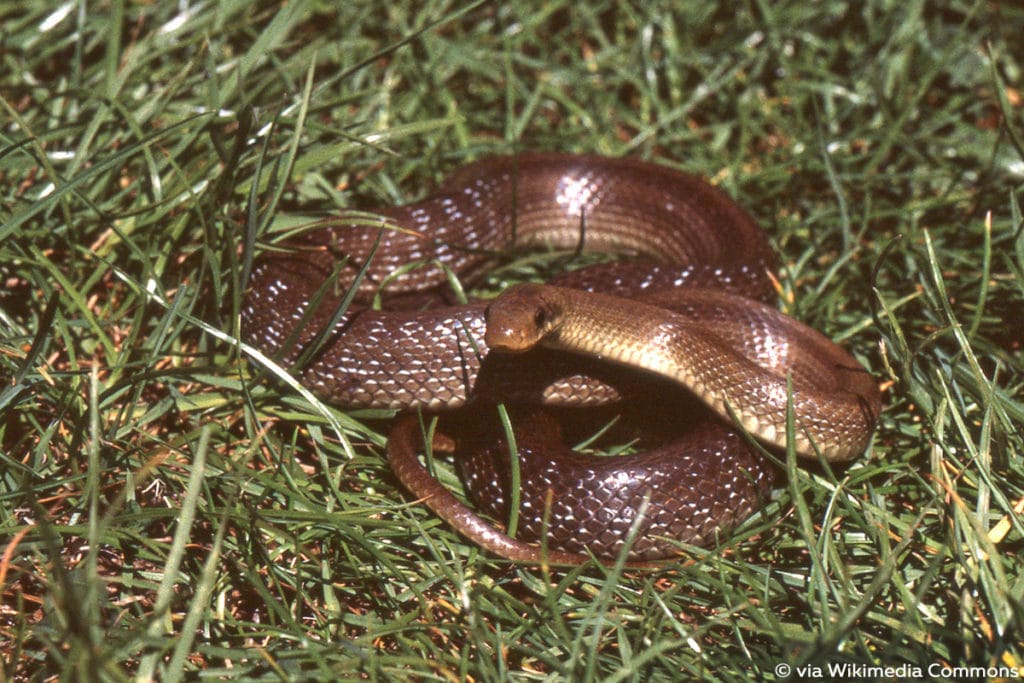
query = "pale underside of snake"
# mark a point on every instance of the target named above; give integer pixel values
(685, 317)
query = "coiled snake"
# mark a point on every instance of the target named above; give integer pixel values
(688, 311)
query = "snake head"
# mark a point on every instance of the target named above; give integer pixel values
(520, 318)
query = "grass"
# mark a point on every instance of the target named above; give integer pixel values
(167, 511)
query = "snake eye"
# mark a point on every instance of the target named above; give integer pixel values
(540, 318)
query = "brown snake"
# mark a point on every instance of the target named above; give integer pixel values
(690, 311)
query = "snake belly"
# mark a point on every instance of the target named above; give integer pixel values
(685, 235)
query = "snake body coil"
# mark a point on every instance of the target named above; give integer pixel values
(690, 314)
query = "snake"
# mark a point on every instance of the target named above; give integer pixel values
(362, 306)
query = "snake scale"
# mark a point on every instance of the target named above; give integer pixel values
(689, 310)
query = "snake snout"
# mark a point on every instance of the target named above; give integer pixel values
(506, 332)
(506, 339)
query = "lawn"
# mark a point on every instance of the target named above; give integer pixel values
(170, 507)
